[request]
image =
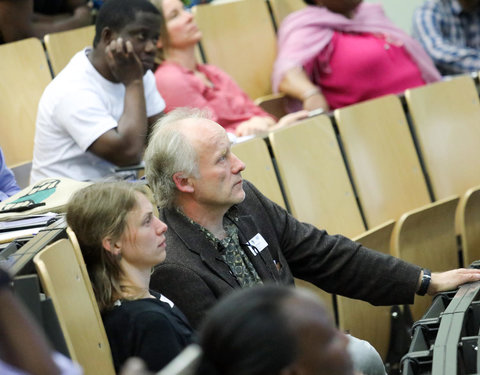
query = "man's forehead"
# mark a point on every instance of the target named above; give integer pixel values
(145, 20)
(200, 128)
(203, 133)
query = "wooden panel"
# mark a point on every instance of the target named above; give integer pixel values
(282, 8)
(446, 119)
(24, 74)
(238, 37)
(382, 158)
(359, 318)
(468, 224)
(63, 280)
(260, 171)
(316, 182)
(315, 178)
(62, 46)
(426, 237)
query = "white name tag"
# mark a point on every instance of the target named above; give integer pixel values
(257, 244)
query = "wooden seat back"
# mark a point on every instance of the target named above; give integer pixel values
(383, 161)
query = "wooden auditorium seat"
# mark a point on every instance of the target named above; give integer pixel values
(24, 74)
(65, 280)
(467, 223)
(315, 178)
(62, 46)
(319, 191)
(238, 37)
(426, 237)
(359, 318)
(315, 181)
(282, 8)
(446, 123)
(383, 161)
(259, 168)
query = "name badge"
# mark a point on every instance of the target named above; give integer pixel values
(257, 244)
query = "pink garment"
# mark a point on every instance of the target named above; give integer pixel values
(309, 31)
(359, 61)
(227, 102)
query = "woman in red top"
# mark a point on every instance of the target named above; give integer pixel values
(183, 82)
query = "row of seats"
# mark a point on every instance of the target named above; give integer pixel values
(402, 172)
(371, 151)
(240, 38)
(349, 187)
(25, 69)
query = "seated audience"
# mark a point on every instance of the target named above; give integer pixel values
(20, 19)
(272, 330)
(95, 115)
(449, 32)
(183, 82)
(121, 241)
(8, 185)
(224, 234)
(335, 53)
(24, 349)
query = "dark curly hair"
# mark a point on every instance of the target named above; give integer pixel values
(116, 14)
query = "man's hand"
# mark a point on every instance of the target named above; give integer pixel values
(449, 280)
(124, 63)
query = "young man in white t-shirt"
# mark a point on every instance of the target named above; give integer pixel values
(96, 114)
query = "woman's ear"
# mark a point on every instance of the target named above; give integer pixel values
(183, 184)
(111, 246)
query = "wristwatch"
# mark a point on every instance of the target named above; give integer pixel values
(5, 279)
(426, 278)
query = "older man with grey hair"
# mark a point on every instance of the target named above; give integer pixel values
(224, 234)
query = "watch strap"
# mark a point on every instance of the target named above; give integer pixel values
(425, 283)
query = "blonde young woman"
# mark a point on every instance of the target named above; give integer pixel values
(183, 82)
(121, 241)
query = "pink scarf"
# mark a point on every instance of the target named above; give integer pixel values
(303, 34)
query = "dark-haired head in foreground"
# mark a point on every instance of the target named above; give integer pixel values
(272, 330)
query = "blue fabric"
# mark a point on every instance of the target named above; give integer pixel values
(450, 35)
(8, 185)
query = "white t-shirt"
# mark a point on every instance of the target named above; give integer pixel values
(76, 108)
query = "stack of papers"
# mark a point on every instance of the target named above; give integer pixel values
(24, 226)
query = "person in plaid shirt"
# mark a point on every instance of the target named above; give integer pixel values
(449, 30)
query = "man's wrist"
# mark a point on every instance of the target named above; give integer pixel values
(424, 282)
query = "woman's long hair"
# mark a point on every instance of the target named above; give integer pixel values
(95, 212)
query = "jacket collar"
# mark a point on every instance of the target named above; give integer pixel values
(196, 242)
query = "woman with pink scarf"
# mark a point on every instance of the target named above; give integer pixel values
(335, 53)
